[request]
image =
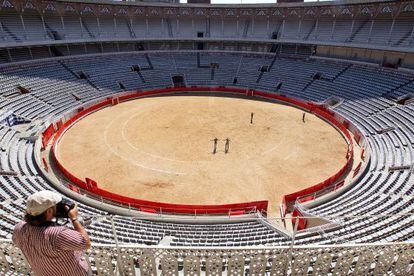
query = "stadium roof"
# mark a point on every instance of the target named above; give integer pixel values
(255, 4)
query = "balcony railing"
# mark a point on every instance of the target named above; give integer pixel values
(360, 259)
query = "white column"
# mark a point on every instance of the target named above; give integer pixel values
(370, 30)
(268, 27)
(30, 52)
(316, 28)
(63, 26)
(132, 27)
(237, 28)
(80, 21)
(178, 25)
(9, 54)
(282, 33)
(352, 29)
(24, 27)
(391, 30)
(411, 36)
(299, 28)
(333, 28)
(252, 26)
(99, 26)
(115, 28)
(146, 23)
(44, 25)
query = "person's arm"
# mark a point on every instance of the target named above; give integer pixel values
(16, 234)
(73, 216)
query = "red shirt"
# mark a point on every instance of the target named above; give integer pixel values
(52, 250)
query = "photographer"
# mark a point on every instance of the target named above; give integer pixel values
(52, 249)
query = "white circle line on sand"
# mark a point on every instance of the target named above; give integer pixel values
(154, 155)
(277, 145)
(134, 162)
(138, 149)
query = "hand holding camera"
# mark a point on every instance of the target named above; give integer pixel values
(73, 213)
(64, 207)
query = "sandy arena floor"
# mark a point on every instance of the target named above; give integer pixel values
(160, 149)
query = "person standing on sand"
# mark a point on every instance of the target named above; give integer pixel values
(215, 140)
(227, 145)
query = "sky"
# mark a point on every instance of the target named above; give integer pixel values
(235, 1)
(243, 1)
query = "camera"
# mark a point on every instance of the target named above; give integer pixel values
(61, 211)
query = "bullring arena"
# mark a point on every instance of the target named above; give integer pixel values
(203, 139)
(161, 149)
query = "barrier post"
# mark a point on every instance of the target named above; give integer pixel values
(114, 232)
(116, 240)
(295, 229)
(45, 164)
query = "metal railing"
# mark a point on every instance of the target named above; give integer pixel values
(361, 259)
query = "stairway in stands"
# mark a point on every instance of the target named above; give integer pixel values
(269, 67)
(56, 52)
(387, 94)
(246, 28)
(169, 27)
(403, 38)
(10, 33)
(87, 28)
(213, 69)
(87, 80)
(352, 37)
(53, 34)
(328, 79)
(131, 31)
(208, 27)
(150, 66)
(341, 72)
(306, 37)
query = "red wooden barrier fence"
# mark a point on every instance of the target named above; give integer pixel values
(232, 209)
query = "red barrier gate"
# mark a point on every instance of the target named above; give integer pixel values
(47, 135)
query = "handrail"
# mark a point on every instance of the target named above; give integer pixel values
(257, 218)
(241, 248)
(388, 258)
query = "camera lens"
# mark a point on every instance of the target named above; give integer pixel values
(63, 207)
